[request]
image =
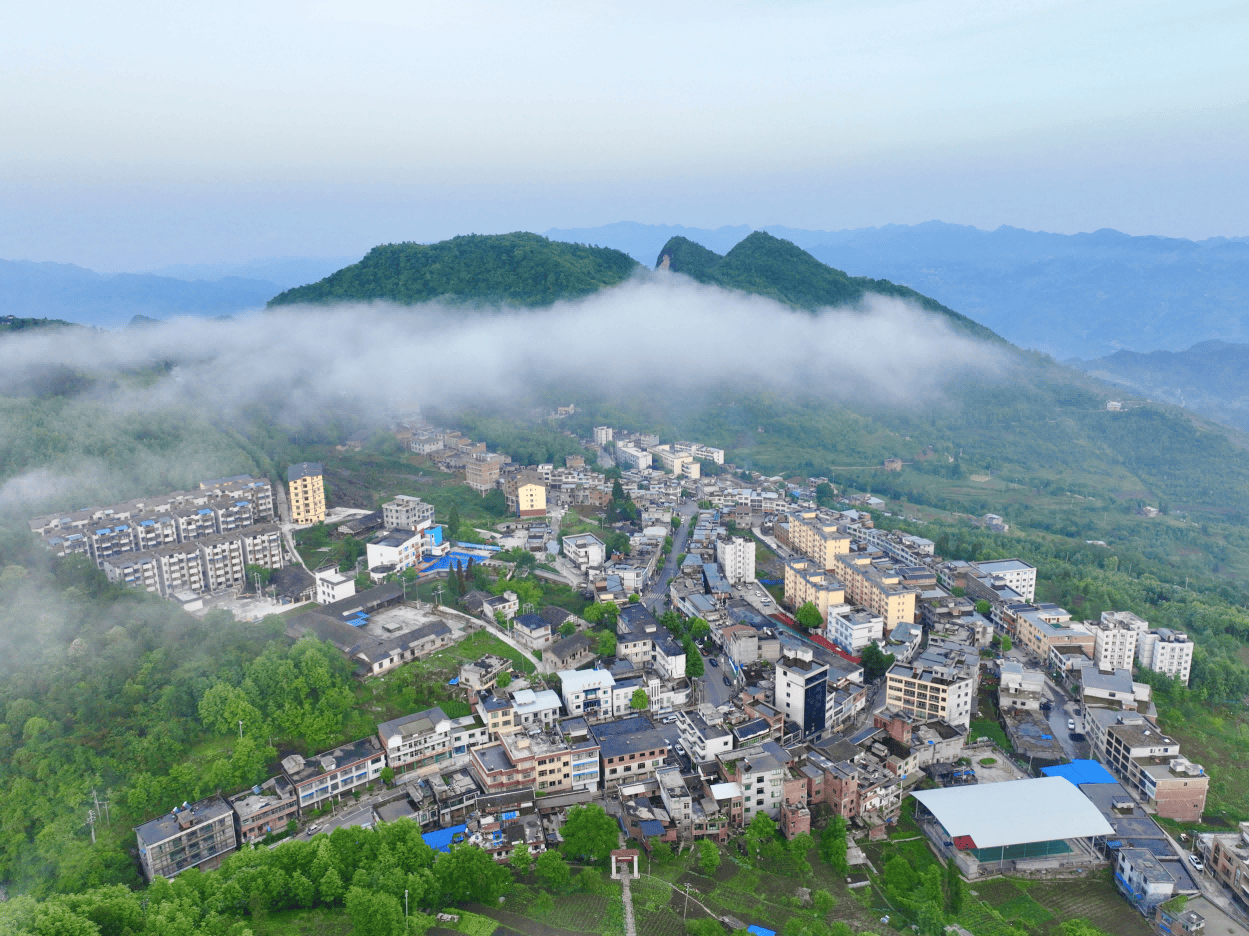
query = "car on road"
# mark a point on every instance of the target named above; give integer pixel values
(713, 661)
(680, 750)
(727, 681)
(1071, 724)
(668, 719)
(1196, 862)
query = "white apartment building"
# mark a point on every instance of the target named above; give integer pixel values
(407, 513)
(585, 551)
(1114, 647)
(628, 456)
(400, 549)
(602, 435)
(1016, 574)
(333, 586)
(931, 691)
(1166, 651)
(736, 555)
(853, 629)
(587, 692)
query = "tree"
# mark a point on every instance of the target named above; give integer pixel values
(330, 889)
(504, 680)
(552, 870)
(522, 859)
(589, 833)
(661, 852)
(468, 873)
(640, 700)
(694, 666)
(760, 831)
(1006, 644)
(374, 913)
(900, 877)
(1080, 927)
(567, 629)
(809, 616)
(833, 845)
(875, 662)
(954, 887)
(590, 880)
(699, 628)
(387, 775)
(983, 607)
(708, 857)
(618, 491)
(704, 926)
(495, 502)
(606, 643)
(453, 523)
(634, 598)
(825, 496)
(823, 902)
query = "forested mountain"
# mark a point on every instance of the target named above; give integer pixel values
(75, 294)
(779, 269)
(1211, 378)
(520, 269)
(1078, 295)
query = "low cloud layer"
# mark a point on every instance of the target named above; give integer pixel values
(657, 330)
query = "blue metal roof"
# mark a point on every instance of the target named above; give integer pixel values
(760, 931)
(651, 828)
(443, 839)
(1080, 771)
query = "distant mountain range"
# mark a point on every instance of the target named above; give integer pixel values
(1078, 295)
(1210, 378)
(64, 291)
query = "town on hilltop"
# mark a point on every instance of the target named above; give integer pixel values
(742, 647)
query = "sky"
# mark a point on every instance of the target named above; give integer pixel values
(143, 134)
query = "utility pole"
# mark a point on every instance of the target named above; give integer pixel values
(687, 902)
(91, 817)
(240, 729)
(405, 907)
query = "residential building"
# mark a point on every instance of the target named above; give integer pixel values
(821, 541)
(481, 471)
(533, 631)
(1114, 647)
(702, 740)
(630, 749)
(632, 457)
(306, 487)
(1037, 630)
(1148, 763)
(482, 674)
(854, 629)
(879, 585)
(1020, 688)
(736, 555)
(761, 772)
(195, 835)
(585, 550)
(802, 693)
(334, 586)
(806, 580)
(396, 551)
(1227, 858)
(263, 810)
(1143, 879)
(1018, 575)
(407, 513)
(568, 653)
(587, 693)
(328, 776)
(932, 691)
(497, 772)
(428, 737)
(535, 710)
(1166, 651)
(526, 493)
(641, 639)
(700, 451)
(602, 435)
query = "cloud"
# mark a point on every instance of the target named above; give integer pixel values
(655, 327)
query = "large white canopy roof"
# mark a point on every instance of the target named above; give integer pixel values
(1016, 811)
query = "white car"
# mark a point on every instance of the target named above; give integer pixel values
(1196, 862)
(1071, 724)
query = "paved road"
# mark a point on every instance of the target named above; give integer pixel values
(711, 687)
(658, 593)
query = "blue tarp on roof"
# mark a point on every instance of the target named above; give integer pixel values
(1080, 771)
(443, 839)
(651, 828)
(760, 931)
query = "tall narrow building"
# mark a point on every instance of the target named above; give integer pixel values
(306, 482)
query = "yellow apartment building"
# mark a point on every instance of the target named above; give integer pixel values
(877, 588)
(806, 581)
(306, 484)
(817, 540)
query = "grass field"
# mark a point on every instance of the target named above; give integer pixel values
(302, 923)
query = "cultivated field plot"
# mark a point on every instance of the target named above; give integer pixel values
(1042, 905)
(569, 913)
(302, 923)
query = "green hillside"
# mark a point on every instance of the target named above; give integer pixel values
(768, 266)
(521, 269)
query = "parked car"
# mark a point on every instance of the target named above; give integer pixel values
(680, 750)
(1071, 724)
(727, 681)
(713, 661)
(1196, 862)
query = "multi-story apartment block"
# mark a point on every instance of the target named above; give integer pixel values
(396, 551)
(585, 550)
(1113, 647)
(407, 513)
(197, 835)
(1227, 858)
(643, 640)
(1020, 688)
(821, 541)
(630, 748)
(223, 562)
(497, 772)
(700, 451)
(428, 737)
(306, 486)
(526, 494)
(703, 741)
(602, 435)
(333, 586)
(880, 586)
(631, 457)
(330, 775)
(179, 569)
(931, 691)
(1037, 630)
(1166, 651)
(762, 772)
(135, 570)
(854, 629)
(736, 555)
(1148, 762)
(481, 471)
(1016, 574)
(802, 693)
(806, 580)
(587, 692)
(264, 809)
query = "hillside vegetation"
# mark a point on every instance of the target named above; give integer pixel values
(768, 266)
(518, 269)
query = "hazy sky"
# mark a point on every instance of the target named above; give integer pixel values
(140, 134)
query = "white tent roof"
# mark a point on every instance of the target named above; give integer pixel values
(1016, 811)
